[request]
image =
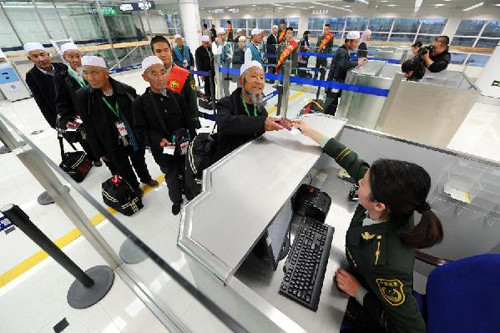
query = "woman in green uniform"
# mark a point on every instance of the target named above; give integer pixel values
(381, 238)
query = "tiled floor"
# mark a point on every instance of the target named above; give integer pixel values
(39, 294)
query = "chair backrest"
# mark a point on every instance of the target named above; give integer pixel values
(464, 296)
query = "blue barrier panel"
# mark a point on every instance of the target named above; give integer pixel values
(4, 223)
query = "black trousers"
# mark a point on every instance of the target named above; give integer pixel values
(208, 87)
(122, 160)
(320, 63)
(332, 102)
(173, 168)
(88, 150)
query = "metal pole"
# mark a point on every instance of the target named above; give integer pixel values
(10, 22)
(218, 76)
(60, 20)
(41, 19)
(286, 88)
(322, 78)
(19, 218)
(212, 89)
(147, 19)
(106, 31)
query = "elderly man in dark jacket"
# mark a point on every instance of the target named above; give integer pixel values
(205, 62)
(40, 80)
(341, 63)
(160, 116)
(105, 106)
(241, 117)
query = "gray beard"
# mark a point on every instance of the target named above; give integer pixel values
(257, 99)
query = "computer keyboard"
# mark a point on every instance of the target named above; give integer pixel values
(306, 263)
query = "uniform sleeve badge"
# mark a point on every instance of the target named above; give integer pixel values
(193, 86)
(392, 291)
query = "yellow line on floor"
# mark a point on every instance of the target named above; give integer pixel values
(291, 98)
(41, 255)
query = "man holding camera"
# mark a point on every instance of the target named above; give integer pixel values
(436, 56)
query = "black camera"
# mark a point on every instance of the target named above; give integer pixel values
(425, 49)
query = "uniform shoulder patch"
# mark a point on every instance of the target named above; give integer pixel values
(392, 291)
(193, 86)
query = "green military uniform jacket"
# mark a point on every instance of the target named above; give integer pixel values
(294, 57)
(380, 261)
(328, 49)
(189, 94)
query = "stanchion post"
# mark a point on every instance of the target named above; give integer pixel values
(218, 77)
(286, 88)
(322, 70)
(81, 295)
(212, 89)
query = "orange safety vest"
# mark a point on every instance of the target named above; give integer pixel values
(177, 78)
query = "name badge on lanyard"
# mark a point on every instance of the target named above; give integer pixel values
(122, 129)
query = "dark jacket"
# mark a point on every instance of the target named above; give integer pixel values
(65, 87)
(341, 63)
(362, 50)
(177, 61)
(204, 59)
(379, 260)
(102, 134)
(156, 117)
(234, 126)
(271, 48)
(42, 88)
(441, 61)
(238, 57)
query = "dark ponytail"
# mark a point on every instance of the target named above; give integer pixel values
(403, 187)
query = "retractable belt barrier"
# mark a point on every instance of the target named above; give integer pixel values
(318, 83)
(329, 55)
(200, 73)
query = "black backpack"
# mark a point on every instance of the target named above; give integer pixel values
(201, 155)
(76, 164)
(119, 195)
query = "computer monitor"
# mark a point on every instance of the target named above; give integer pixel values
(273, 245)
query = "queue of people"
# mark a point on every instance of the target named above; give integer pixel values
(118, 124)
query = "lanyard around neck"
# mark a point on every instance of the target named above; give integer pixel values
(115, 110)
(246, 108)
(75, 76)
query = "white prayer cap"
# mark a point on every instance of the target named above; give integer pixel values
(28, 47)
(177, 36)
(205, 38)
(150, 61)
(242, 39)
(93, 61)
(275, 26)
(250, 64)
(221, 31)
(239, 30)
(68, 46)
(353, 35)
(256, 31)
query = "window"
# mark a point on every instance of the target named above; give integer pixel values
(380, 37)
(432, 26)
(337, 24)
(426, 39)
(458, 58)
(478, 60)
(381, 24)
(316, 23)
(251, 24)
(488, 43)
(463, 41)
(293, 22)
(492, 29)
(264, 23)
(402, 38)
(406, 25)
(276, 20)
(356, 23)
(469, 28)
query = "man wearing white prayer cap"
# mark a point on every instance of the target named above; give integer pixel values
(254, 51)
(242, 117)
(341, 64)
(182, 55)
(160, 116)
(105, 107)
(205, 62)
(239, 33)
(66, 84)
(40, 80)
(223, 48)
